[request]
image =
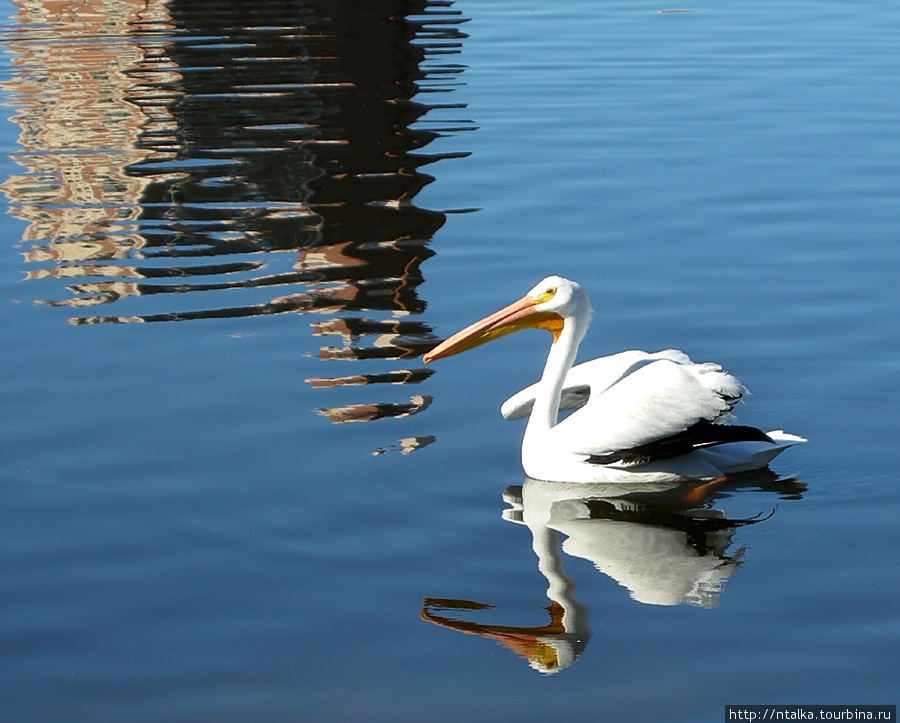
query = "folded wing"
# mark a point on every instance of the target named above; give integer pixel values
(635, 405)
(590, 377)
(652, 401)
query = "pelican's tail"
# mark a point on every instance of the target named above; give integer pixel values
(784, 439)
(744, 456)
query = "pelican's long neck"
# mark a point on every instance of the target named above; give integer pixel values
(545, 413)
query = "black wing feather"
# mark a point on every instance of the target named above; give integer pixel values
(701, 435)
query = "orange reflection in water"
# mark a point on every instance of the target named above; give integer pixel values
(185, 161)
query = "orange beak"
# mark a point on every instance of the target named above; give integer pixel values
(519, 315)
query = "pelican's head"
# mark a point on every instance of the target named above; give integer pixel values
(560, 296)
(549, 305)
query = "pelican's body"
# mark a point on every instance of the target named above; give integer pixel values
(631, 410)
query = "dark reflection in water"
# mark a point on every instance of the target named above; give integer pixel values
(191, 160)
(667, 545)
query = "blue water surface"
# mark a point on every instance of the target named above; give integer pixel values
(232, 491)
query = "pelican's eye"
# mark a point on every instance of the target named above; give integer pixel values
(545, 295)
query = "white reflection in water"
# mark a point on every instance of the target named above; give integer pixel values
(658, 536)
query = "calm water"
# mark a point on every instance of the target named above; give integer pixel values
(231, 491)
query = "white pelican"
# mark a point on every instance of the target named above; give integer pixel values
(632, 409)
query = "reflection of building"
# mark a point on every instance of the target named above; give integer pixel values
(77, 136)
(393, 339)
(370, 412)
(188, 161)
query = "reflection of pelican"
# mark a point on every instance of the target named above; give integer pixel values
(655, 535)
(631, 408)
(661, 545)
(547, 648)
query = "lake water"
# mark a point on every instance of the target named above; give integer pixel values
(231, 491)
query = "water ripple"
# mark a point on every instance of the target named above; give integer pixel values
(198, 156)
